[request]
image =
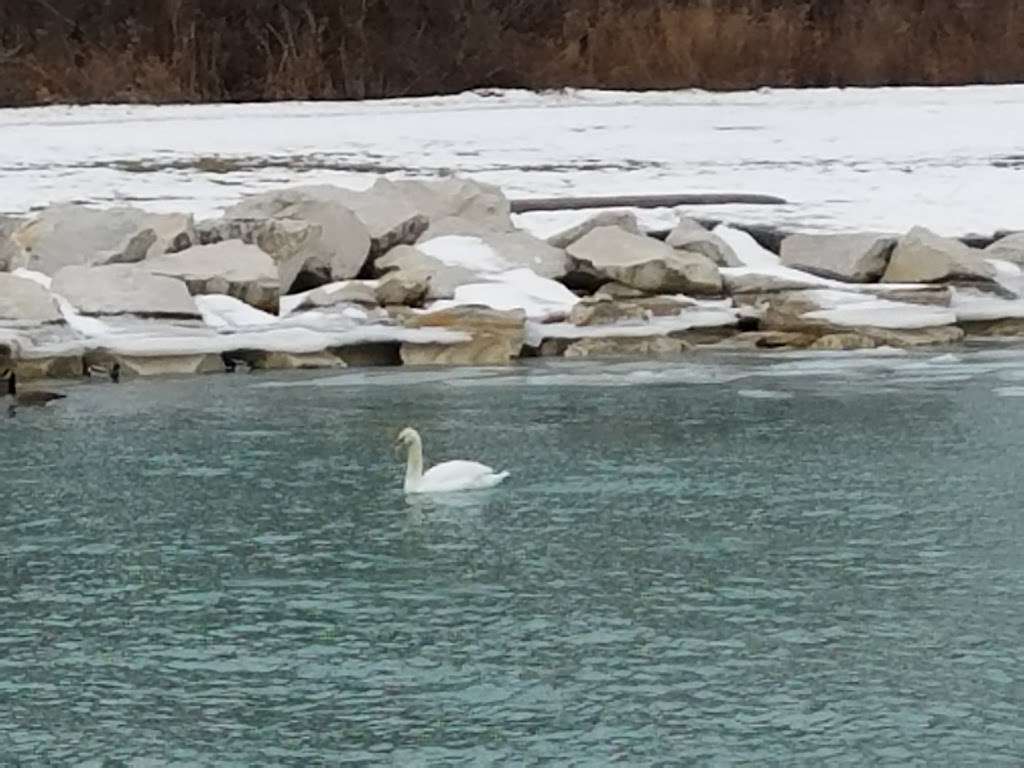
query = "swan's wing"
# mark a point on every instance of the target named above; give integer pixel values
(460, 475)
(456, 471)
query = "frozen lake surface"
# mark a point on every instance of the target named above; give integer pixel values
(948, 158)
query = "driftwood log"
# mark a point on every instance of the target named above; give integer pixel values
(526, 205)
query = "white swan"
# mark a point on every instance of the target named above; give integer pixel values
(446, 477)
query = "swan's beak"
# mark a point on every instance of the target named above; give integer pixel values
(396, 449)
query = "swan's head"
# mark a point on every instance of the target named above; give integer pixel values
(407, 438)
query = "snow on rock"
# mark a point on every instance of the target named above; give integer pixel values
(85, 327)
(464, 251)
(226, 313)
(749, 252)
(1005, 268)
(979, 306)
(36, 277)
(541, 299)
(1009, 248)
(689, 318)
(858, 310)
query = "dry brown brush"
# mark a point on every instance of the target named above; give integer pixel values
(228, 50)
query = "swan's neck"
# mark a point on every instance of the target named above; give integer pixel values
(414, 465)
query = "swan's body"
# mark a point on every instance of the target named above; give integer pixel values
(443, 478)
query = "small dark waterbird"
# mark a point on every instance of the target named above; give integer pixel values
(114, 371)
(233, 361)
(36, 398)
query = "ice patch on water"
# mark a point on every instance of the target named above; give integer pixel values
(764, 394)
(1009, 391)
(388, 378)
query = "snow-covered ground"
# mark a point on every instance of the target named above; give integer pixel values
(948, 158)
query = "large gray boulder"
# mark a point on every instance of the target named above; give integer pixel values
(389, 219)
(124, 289)
(317, 239)
(232, 268)
(1009, 248)
(401, 289)
(456, 225)
(855, 258)
(26, 302)
(626, 346)
(8, 249)
(611, 254)
(921, 256)
(829, 311)
(441, 279)
(361, 292)
(688, 235)
(497, 336)
(67, 234)
(598, 310)
(869, 338)
(625, 220)
(482, 203)
(743, 281)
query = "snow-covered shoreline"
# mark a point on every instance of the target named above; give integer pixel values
(437, 273)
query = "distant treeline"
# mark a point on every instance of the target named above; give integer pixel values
(234, 50)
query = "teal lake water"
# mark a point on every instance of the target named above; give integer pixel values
(796, 561)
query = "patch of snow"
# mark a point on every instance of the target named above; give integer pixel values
(292, 301)
(294, 340)
(36, 277)
(973, 305)
(747, 249)
(1005, 268)
(540, 298)
(882, 313)
(464, 251)
(79, 323)
(226, 313)
(687, 319)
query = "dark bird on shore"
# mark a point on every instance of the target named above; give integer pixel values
(33, 398)
(114, 371)
(231, 362)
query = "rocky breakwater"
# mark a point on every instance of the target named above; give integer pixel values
(437, 273)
